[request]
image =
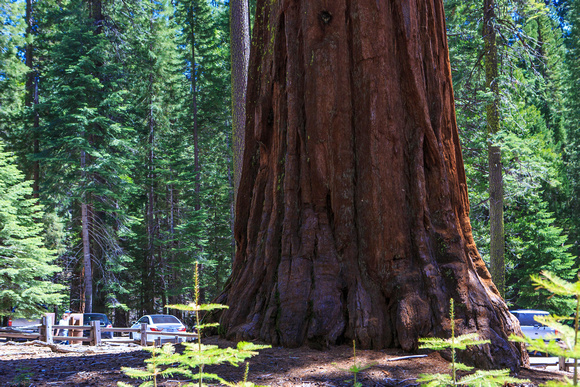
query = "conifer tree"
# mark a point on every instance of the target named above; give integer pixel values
(12, 70)
(573, 119)
(154, 65)
(205, 34)
(532, 133)
(82, 139)
(26, 265)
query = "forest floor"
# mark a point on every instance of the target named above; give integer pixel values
(32, 365)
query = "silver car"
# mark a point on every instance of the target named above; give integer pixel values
(530, 327)
(159, 323)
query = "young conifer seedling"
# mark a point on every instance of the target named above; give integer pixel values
(479, 378)
(567, 347)
(356, 368)
(191, 362)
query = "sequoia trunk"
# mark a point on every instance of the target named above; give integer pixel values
(352, 212)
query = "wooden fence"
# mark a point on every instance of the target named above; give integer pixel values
(75, 335)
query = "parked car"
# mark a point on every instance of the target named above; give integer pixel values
(159, 323)
(532, 328)
(104, 322)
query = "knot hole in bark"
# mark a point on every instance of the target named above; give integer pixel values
(270, 119)
(325, 17)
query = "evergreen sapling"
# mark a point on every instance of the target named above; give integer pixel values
(478, 378)
(195, 356)
(567, 346)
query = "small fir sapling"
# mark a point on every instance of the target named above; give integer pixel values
(567, 346)
(478, 378)
(356, 367)
(190, 363)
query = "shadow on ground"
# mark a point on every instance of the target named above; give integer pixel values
(40, 367)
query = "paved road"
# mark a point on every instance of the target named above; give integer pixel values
(553, 361)
(22, 322)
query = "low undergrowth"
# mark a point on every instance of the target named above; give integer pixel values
(478, 378)
(566, 343)
(165, 362)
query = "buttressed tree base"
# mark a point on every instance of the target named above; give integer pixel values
(352, 212)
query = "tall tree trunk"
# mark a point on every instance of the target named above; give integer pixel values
(175, 297)
(240, 54)
(32, 94)
(150, 284)
(196, 165)
(542, 61)
(196, 168)
(496, 222)
(87, 265)
(96, 13)
(97, 16)
(352, 212)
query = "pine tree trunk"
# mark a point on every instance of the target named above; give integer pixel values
(195, 133)
(96, 14)
(352, 212)
(196, 165)
(87, 265)
(150, 267)
(175, 297)
(496, 223)
(32, 94)
(240, 51)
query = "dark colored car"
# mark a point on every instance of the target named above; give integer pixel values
(105, 323)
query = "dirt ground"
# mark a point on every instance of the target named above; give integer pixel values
(33, 365)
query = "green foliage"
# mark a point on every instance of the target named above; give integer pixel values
(478, 378)
(12, 70)
(181, 210)
(532, 136)
(206, 113)
(23, 377)
(355, 368)
(569, 336)
(125, 92)
(191, 362)
(164, 360)
(25, 263)
(572, 120)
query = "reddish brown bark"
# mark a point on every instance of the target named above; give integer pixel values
(352, 213)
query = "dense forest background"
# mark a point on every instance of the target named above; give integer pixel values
(116, 171)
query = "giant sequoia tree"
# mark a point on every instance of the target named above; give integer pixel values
(352, 212)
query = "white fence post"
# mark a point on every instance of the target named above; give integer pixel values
(96, 332)
(144, 334)
(46, 330)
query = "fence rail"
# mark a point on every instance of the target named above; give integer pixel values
(46, 334)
